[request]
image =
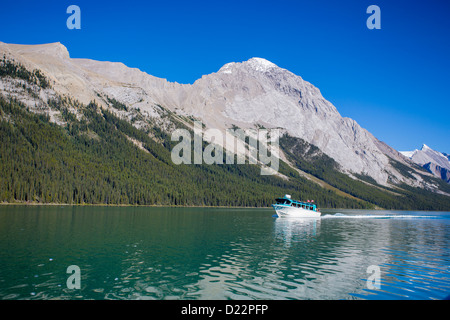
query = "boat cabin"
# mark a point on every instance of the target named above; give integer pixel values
(287, 201)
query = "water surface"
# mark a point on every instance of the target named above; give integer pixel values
(217, 253)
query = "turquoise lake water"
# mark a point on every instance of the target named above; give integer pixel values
(218, 253)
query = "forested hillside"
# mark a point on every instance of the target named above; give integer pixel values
(93, 161)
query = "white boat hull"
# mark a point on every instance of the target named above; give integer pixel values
(288, 211)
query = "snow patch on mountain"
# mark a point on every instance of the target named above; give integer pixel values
(261, 64)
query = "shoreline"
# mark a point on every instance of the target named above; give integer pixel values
(177, 206)
(121, 205)
(180, 206)
(154, 205)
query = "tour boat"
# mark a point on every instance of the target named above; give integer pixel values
(286, 207)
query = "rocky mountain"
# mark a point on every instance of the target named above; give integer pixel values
(436, 162)
(259, 92)
(250, 94)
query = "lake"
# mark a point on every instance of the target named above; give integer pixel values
(221, 253)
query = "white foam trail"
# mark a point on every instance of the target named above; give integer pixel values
(368, 216)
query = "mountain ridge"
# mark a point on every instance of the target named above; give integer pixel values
(248, 94)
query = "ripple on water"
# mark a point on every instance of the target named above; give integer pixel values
(243, 254)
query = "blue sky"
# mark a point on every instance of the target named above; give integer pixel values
(393, 81)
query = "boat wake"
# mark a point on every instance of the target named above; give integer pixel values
(378, 216)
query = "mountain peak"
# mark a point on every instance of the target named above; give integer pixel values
(260, 64)
(55, 49)
(257, 64)
(431, 160)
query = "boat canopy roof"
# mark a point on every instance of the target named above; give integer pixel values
(289, 200)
